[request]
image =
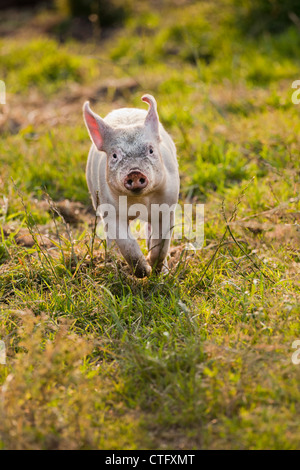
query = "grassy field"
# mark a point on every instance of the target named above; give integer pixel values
(201, 358)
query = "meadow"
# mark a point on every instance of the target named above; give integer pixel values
(200, 358)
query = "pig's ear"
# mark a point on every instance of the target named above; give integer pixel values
(152, 119)
(97, 128)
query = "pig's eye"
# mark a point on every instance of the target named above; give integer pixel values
(150, 150)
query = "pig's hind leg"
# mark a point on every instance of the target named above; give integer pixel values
(159, 247)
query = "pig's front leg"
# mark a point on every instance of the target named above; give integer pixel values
(159, 247)
(132, 253)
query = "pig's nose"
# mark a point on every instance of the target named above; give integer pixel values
(135, 180)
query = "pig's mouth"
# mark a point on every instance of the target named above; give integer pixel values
(136, 191)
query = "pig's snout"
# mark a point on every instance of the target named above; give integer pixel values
(135, 181)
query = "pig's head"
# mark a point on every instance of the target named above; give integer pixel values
(134, 162)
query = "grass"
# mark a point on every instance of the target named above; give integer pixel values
(200, 359)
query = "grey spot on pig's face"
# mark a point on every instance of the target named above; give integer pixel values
(133, 149)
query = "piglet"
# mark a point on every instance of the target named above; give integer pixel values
(133, 160)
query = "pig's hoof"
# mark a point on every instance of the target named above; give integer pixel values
(142, 271)
(165, 269)
(161, 268)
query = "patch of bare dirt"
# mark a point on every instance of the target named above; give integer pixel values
(285, 234)
(24, 238)
(72, 212)
(67, 213)
(63, 109)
